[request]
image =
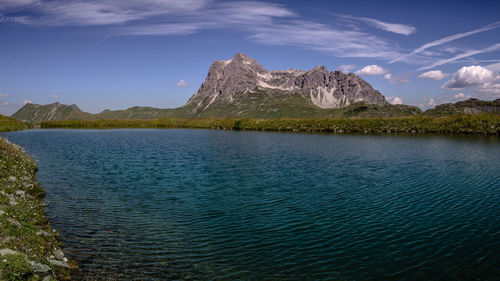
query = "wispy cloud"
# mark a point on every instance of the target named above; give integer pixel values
(4, 96)
(398, 79)
(321, 37)
(101, 41)
(347, 67)
(55, 96)
(440, 62)
(398, 28)
(447, 40)
(494, 66)
(263, 22)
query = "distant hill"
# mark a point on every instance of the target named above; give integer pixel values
(11, 124)
(35, 113)
(470, 106)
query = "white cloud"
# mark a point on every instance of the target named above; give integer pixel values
(391, 27)
(181, 83)
(371, 70)
(388, 76)
(434, 75)
(489, 90)
(461, 96)
(394, 100)
(469, 76)
(440, 62)
(431, 102)
(4, 96)
(55, 96)
(449, 39)
(347, 67)
(4, 103)
(26, 102)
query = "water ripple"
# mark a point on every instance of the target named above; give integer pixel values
(214, 205)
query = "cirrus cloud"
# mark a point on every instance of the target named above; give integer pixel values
(261, 22)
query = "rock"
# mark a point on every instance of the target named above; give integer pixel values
(39, 267)
(43, 233)
(58, 263)
(48, 278)
(5, 252)
(228, 80)
(58, 254)
(12, 178)
(2, 212)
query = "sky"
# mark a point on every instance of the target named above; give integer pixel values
(114, 54)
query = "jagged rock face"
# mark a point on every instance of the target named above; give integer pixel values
(243, 74)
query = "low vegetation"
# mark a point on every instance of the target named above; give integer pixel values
(11, 124)
(455, 124)
(29, 248)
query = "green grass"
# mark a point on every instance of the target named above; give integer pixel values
(11, 124)
(22, 217)
(456, 124)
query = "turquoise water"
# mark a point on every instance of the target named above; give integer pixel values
(224, 205)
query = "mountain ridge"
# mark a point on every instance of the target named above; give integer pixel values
(244, 75)
(242, 88)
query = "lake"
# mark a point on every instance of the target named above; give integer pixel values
(226, 205)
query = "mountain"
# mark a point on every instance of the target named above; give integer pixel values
(240, 81)
(242, 88)
(35, 113)
(470, 106)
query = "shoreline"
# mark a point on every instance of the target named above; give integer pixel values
(453, 125)
(29, 248)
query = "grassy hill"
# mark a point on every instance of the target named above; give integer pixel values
(35, 113)
(470, 106)
(262, 104)
(11, 124)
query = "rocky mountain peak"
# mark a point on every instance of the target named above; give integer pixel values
(242, 75)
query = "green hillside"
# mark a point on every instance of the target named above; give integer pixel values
(470, 106)
(11, 124)
(35, 113)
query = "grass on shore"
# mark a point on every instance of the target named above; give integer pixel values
(455, 124)
(29, 248)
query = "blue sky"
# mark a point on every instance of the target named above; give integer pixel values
(113, 54)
